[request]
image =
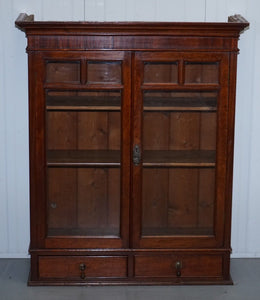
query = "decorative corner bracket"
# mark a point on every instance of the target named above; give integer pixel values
(23, 17)
(237, 19)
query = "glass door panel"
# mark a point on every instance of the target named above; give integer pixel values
(179, 157)
(104, 72)
(84, 162)
(178, 201)
(63, 71)
(83, 201)
(201, 72)
(158, 72)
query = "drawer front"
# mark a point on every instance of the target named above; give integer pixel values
(82, 267)
(178, 266)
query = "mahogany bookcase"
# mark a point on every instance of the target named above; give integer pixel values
(131, 151)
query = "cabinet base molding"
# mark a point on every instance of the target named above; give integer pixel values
(140, 267)
(104, 282)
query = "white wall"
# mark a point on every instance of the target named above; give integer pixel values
(14, 162)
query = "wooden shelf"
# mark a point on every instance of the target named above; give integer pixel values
(180, 104)
(179, 158)
(94, 232)
(114, 231)
(78, 158)
(167, 231)
(110, 103)
(111, 158)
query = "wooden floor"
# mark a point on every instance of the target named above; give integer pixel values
(245, 273)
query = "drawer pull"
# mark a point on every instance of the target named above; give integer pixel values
(178, 267)
(82, 268)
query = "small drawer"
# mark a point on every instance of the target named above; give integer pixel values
(178, 266)
(82, 267)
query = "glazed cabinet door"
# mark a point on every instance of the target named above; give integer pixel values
(83, 107)
(179, 149)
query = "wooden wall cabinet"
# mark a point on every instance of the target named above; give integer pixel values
(131, 151)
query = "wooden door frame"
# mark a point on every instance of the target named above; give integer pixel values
(38, 180)
(192, 241)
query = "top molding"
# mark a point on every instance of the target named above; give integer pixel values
(232, 28)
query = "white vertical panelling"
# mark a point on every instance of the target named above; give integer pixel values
(19, 81)
(14, 203)
(14, 158)
(219, 11)
(28, 6)
(10, 131)
(16, 196)
(216, 10)
(170, 10)
(242, 143)
(253, 242)
(239, 234)
(236, 6)
(115, 10)
(63, 10)
(3, 188)
(194, 13)
(94, 10)
(145, 10)
(129, 10)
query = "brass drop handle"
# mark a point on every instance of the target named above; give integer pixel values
(178, 267)
(136, 155)
(82, 268)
